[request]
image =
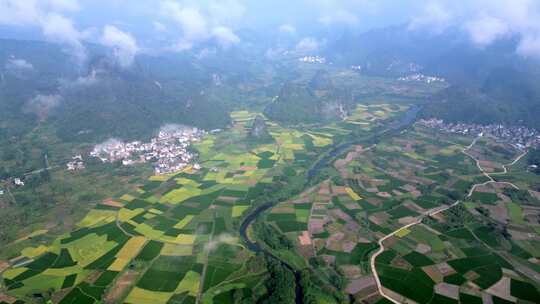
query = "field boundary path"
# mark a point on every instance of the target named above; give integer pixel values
(438, 210)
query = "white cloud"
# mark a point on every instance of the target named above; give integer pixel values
(190, 20)
(181, 45)
(19, 13)
(529, 46)
(123, 44)
(224, 238)
(62, 5)
(486, 21)
(486, 29)
(225, 36)
(60, 29)
(225, 11)
(18, 64)
(159, 27)
(435, 17)
(47, 15)
(287, 28)
(340, 16)
(81, 81)
(199, 24)
(41, 105)
(308, 45)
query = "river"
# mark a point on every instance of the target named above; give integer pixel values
(404, 121)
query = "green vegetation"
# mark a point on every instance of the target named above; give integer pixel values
(174, 238)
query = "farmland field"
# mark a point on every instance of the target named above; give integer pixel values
(176, 239)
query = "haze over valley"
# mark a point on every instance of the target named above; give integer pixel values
(238, 151)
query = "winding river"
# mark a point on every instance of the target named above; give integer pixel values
(395, 127)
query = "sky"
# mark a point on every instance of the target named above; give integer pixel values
(129, 27)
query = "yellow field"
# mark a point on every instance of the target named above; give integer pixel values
(127, 253)
(148, 231)
(155, 211)
(126, 214)
(89, 248)
(186, 239)
(62, 272)
(403, 232)
(302, 215)
(179, 195)
(97, 217)
(353, 194)
(320, 141)
(132, 247)
(190, 283)
(177, 250)
(143, 296)
(31, 235)
(32, 252)
(13, 272)
(127, 197)
(237, 211)
(159, 178)
(184, 222)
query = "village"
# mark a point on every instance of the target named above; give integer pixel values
(313, 59)
(520, 137)
(421, 78)
(168, 152)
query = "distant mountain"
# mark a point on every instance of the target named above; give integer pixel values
(101, 100)
(314, 102)
(259, 131)
(488, 85)
(397, 51)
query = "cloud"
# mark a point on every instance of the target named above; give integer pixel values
(159, 27)
(47, 15)
(123, 44)
(60, 29)
(80, 82)
(340, 16)
(203, 23)
(18, 64)
(287, 28)
(435, 17)
(190, 20)
(19, 13)
(486, 29)
(308, 45)
(485, 21)
(225, 36)
(224, 238)
(529, 46)
(63, 5)
(41, 105)
(225, 11)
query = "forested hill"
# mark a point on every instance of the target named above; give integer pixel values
(40, 84)
(489, 84)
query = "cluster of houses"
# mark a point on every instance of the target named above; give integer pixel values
(312, 59)
(518, 136)
(168, 152)
(76, 163)
(421, 78)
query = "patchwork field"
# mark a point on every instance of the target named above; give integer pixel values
(381, 188)
(176, 240)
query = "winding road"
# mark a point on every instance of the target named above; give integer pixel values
(437, 210)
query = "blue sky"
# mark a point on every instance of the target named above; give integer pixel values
(131, 27)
